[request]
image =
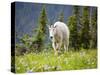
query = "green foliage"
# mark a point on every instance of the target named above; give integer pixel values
(25, 40)
(93, 31)
(83, 28)
(46, 61)
(73, 23)
(61, 17)
(34, 43)
(24, 46)
(85, 35)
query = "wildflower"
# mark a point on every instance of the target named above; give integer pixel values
(58, 67)
(62, 55)
(72, 55)
(58, 57)
(34, 62)
(82, 54)
(46, 67)
(29, 71)
(93, 63)
(21, 60)
(18, 68)
(66, 61)
(53, 67)
(26, 65)
(33, 69)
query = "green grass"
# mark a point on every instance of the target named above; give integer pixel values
(46, 61)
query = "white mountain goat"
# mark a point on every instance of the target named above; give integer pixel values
(59, 34)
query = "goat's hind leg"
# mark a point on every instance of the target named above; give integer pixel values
(66, 44)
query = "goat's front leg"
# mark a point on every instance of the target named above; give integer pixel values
(59, 46)
(54, 47)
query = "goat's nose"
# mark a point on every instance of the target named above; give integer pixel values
(51, 37)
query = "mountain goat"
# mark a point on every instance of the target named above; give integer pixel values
(59, 35)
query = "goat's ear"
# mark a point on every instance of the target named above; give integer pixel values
(55, 26)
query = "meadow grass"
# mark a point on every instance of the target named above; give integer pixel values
(47, 61)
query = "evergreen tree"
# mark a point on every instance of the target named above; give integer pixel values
(95, 27)
(85, 35)
(77, 27)
(73, 23)
(93, 31)
(41, 31)
(61, 17)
